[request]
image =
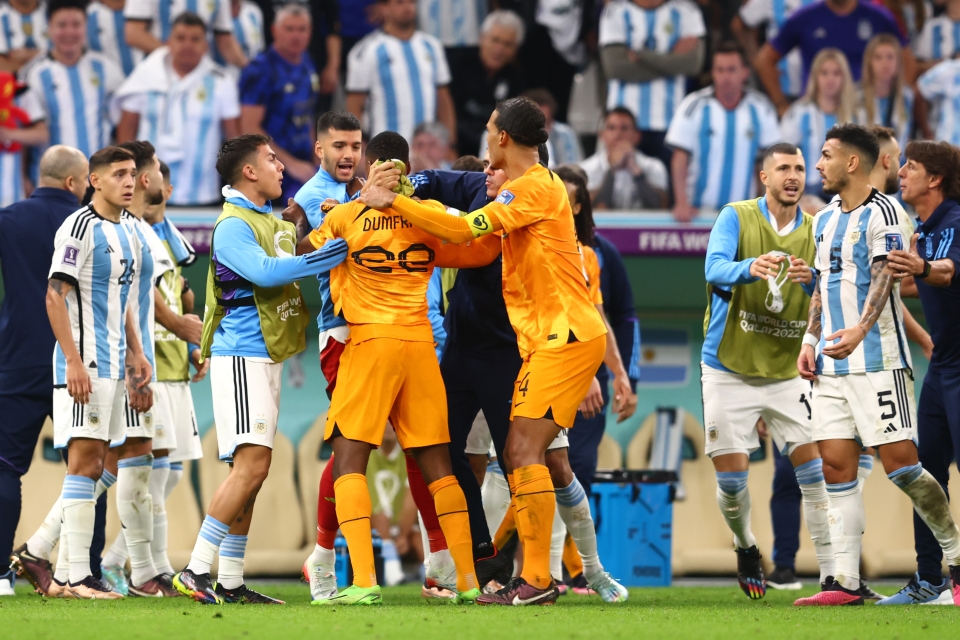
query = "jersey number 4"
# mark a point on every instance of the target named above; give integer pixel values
(415, 259)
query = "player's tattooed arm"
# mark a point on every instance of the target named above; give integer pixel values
(881, 284)
(815, 317)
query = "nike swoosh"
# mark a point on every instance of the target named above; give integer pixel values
(517, 601)
(519, 403)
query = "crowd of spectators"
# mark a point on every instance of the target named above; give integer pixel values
(691, 91)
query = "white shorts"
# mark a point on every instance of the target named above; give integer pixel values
(246, 401)
(175, 423)
(102, 418)
(876, 407)
(340, 334)
(138, 425)
(733, 403)
(479, 440)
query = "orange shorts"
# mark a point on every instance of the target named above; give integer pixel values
(383, 378)
(555, 381)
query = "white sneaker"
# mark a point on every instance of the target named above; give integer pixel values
(608, 588)
(6, 584)
(440, 577)
(945, 597)
(323, 581)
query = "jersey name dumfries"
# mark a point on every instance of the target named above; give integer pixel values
(383, 223)
(288, 309)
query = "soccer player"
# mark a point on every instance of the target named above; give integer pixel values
(382, 295)
(94, 318)
(758, 285)
(862, 376)
(253, 321)
(560, 334)
(930, 183)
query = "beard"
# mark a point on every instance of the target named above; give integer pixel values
(154, 199)
(892, 185)
(836, 187)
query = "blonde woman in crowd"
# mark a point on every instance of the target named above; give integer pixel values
(885, 97)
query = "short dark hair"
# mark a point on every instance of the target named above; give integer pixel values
(731, 46)
(861, 139)
(523, 120)
(338, 121)
(389, 145)
(56, 5)
(236, 152)
(468, 163)
(107, 156)
(940, 159)
(541, 96)
(544, 154)
(884, 134)
(583, 222)
(143, 152)
(621, 111)
(786, 148)
(189, 19)
(165, 171)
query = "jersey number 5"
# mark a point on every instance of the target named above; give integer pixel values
(414, 259)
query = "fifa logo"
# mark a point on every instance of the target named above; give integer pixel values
(774, 300)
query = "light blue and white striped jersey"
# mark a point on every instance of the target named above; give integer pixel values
(11, 177)
(723, 145)
(161, 14)
(806, 125)
(623, 22)
(889, 116)
(23, 31)
(248, 29)
(154, 262)
(941, 86)
(105, 34)
(774, 13)
(848, 243)
(101, 259)
(73, 100)
(400, 78)
(455, 23)
(939, 39)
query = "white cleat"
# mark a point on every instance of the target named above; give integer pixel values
(440, 577)
(945, 598)
(323, 583)
(609, 589)
(91, 589)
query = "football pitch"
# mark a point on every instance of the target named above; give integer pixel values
(677, 612)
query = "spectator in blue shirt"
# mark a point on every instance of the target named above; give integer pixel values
(278, 95)
(847, 25)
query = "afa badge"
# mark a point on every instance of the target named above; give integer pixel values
(260, 427)
(505, 197)
(894, 241)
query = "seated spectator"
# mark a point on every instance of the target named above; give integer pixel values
(105, 27)
(773, 13)
(941, 86)
(563, 145)
(482, 80)
(150, 23)
(830, 99)
(399, 75)
(207, 112)
(885, 98)
(430, 148)
(847, 25)
(717, 135)
(648, 47)
(278, 96)
(619, 176)
(468, 163)
(24, 32)
(940, 38)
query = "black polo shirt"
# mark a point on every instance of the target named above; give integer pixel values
(941, 305)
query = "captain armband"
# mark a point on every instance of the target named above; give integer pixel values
(480, 223)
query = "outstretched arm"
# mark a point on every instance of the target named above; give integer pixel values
(435, 222)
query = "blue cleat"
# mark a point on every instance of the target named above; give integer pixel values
(917, 591)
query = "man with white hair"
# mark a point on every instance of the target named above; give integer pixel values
(430, 147)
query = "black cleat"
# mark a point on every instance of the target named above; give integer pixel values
(750, 573)
(867, 592)
(196, 586)
(784, 578)
(244, 595)
(495, 567)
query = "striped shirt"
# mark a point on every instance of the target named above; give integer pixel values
(105, 34)
(941, 86)
(624, 23)
(161, 14)
(248, 29)
(887, 114)
(154, 263)
(848, 243)
(101, 259)
(806, 125)
(939, 39)
(455, 23)
(723, 145)
(22, 31)
(11, 177)
(401, 78)
(774, 13)
(73, 99)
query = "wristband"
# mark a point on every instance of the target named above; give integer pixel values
(926, 269)
(186, 285)
(810, 339)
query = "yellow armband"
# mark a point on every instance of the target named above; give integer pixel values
(479, 222)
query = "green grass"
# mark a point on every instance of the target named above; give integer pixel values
(679, 612)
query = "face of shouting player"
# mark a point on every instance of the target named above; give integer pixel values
(495, 177)
(339, 153)
(784, 176)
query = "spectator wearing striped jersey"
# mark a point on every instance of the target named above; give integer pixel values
(885, 96)
(563, 145)
(248, 27)
(940, 38)
(105, 27)
(24, 32)
(940, 86)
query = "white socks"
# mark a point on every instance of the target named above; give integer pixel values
(78, 516)
(392, 567)
(557, 536)
(574, 508)
(847, 522)
(495, 493)
(42, 542)
(117, 554)
(157, 484)
(734, 501)
(864, 468)
(816, 508)
(232, 550)
(212, 533)
(161, 559)
(135, 508)
(324, 558)
(931, 504)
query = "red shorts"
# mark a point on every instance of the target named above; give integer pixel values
(330, 362)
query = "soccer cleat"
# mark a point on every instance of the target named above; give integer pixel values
(833, 595)
(354, 595)
(196, 586)
(562, 588)
(323, 584)
(750, 573)
(157, 587)
(867, 592)
(784, 578)
(116, 577)
(609, 589)
(955, 580)
(578, 585)
(495, 567)
(57, 589)
(519, 593)
(7, 582)
(91, 589)
(916, 591)
(243, 595)
(36, 570)
(436, 593)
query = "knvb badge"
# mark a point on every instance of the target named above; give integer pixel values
(505, 197)
(70, 256)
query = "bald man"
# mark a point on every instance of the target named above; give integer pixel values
(27, 229)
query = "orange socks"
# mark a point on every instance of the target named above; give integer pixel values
(509, 523)
(571, 557)
(353, 511)
(452, 513)
(536, 505)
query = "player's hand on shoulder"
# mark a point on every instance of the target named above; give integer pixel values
(799, 271)
(765, 265)
(906, 263)
(807, 363)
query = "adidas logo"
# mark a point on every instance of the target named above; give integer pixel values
(109, 249)
(890, 428)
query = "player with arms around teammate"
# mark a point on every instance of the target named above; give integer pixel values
(254, 320)
(93, 315)
(389, 369)
(758, 289)
(561, 336)
(855, 353)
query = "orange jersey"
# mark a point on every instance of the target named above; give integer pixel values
(381, 288)
(591, 271)
(544, 286)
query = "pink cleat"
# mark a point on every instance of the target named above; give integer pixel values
(955, 578)
(833, 595)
